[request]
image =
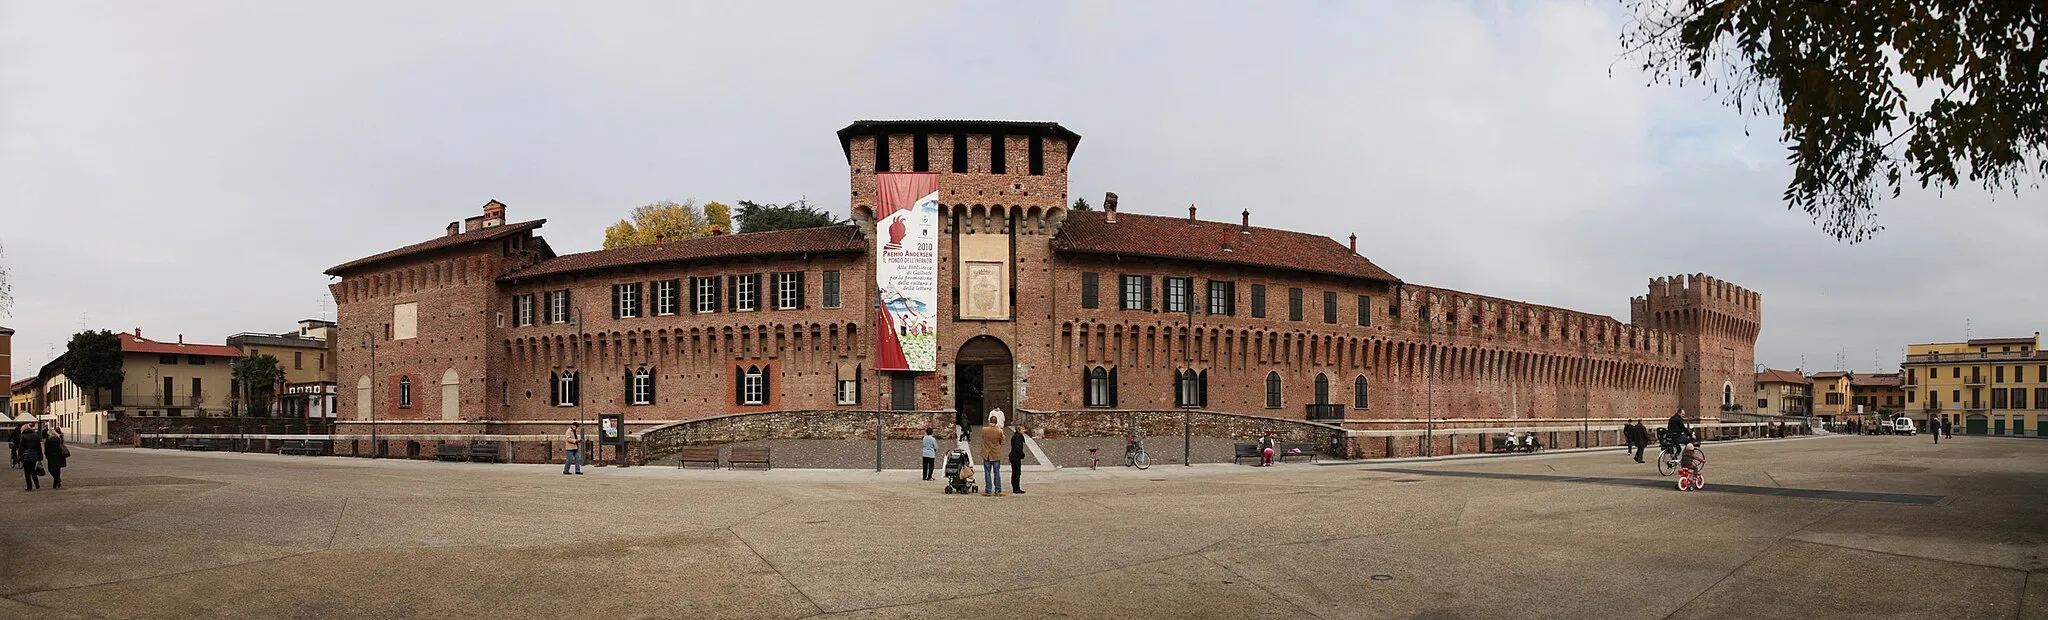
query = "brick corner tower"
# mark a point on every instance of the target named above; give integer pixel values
(1716, 324)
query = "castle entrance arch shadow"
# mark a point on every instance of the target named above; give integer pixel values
(983, 373)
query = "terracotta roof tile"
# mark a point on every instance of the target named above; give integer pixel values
(445, 241)
(822, 240)
(131, 343)
(1831, 374)
(1887, 380)
(1218, 242)
(1780, 376)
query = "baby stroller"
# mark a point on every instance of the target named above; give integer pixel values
(959, 474)
(1692, 467)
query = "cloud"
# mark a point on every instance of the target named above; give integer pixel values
(193, 169)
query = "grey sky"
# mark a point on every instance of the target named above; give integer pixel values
(192, 167)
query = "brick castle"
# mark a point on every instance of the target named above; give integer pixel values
(486, 329)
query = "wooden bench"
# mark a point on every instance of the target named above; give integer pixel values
(753, 456)
(1282, 451)
(302, 448)
(483, 452)
(1503, 444)
(1244, 451)
(698, 454)
(452, 452)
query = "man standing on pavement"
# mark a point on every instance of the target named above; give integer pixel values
(992, 454)
(1017, 460)
(572, 454)
(1638, 437)
(931, 452)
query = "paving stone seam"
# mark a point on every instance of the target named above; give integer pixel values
(49, 608)
(820, 609)
(1262, 587)
(1901, 555)
(1745, 563)
(173, 574)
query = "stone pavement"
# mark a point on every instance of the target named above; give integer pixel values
(163, 534)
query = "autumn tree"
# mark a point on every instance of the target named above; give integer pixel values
(718, 216)
(1872, 93)
(758, 217)
(665, 220)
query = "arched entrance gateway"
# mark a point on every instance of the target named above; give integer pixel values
(982, 373)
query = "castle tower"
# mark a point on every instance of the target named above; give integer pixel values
(1003, 193)
(1716, 326)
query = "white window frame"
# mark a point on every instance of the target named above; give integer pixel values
(849, 392)
(565, 384)
(752, 392)
(785, 291)
(641, 394)
(1133, 292)
(665, 297)
(405, 392)
(707, 296)
(558, 307)
(746, 294)
(522, 314)
(629, 300)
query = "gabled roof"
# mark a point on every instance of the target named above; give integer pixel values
(821, 240)
(131, 343)
(1133, 234)
(1831, 374)
(1780, 376)
(445, 241)
(22, 385)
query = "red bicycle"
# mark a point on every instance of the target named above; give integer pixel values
(1692, 467)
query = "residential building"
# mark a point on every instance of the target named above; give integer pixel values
(1832, 392)
(1984, 386)
(159, 379)
(21, 399)
(307, 356)
(1874, 393)
(1784, 393)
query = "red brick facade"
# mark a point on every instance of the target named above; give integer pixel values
(1422, 352)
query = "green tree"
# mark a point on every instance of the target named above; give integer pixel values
(758, 217)
(1081, 204)
(661, 221)
(1870, 91)
(92, 361)
(259, 376)
(718, 216)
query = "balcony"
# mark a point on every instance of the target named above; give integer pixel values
(1325, 413)
(1973, 356)
(1973, 382)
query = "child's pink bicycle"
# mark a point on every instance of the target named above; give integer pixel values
(1692, 466)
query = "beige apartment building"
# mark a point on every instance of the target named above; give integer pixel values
(1985, 386)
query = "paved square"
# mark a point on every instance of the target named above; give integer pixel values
(157, 534)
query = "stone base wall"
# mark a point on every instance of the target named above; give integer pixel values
(664, 440)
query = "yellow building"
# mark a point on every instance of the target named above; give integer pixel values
(307, 357)
(1783, 393)
(1832, 391)
(1986, 386)
(22, 398)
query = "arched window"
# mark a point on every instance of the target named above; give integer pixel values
(1191, 388)
(640, 387)
(754, 386)
(405, 392)
(1101, 387)
(563, 390)
(1272, 390)
(1358, 393)
(1322, 389)
(1727, 395)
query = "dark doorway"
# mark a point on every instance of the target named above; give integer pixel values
(982, 374)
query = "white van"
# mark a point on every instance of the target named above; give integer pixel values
(1904, 426)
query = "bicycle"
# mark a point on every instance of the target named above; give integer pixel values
(1135, 455)
(1667, 457)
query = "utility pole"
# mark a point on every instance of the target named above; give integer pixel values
(576, 357)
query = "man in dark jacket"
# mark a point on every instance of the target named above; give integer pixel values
(1638, 436)
(1017, 460)
(1676, 428)
(29, 444)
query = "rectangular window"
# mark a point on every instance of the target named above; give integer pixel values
(1098, 387)
(1037, 154)
(787, 287)
(167, 390)
(566, 389)
(754, 387)
(1258, 301)
(1912, 376)
(642, 384)
(1999, 371)
(959, 152)
(1177, 294)
(1135, 290)
(1763, 403)
(198, 392)
(1998, 398)
(2041, 374)
(558, 306)
(2041, 398)
(1294, 304)
(920, 154)
(298, 360)
(1910, 395)
(745, 292)
(522, 310)
(1364, 310)
(997, 157)
(902, 392)
(831, 285)
(321, 358)
(1955, 396)
(881, 152)
(1222, 297)
(625, 301)
(195, 360)
(666, 297)
(849, 392)
(1955, 372)
(707, 294)
(169, 360)
(2019, 398)
(1330, 308)
(1090, 282)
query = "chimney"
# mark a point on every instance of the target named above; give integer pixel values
(715, 231)
(181, 340)
(454, 228)
(1246, 228)
(1109, 207)
(494, 213)
(1354, 243)
(138, 333)
(1191, 213)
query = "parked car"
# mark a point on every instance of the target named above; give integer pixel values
(1904, 426)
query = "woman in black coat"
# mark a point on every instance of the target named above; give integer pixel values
(54, 455)
(28, 444)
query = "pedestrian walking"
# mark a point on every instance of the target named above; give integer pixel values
(1638, 438)
(931, 452)
(13, 454)
(55, 455)
(1017, 460)
(29, 445)
(992, 454)
(572, 449)
(1948, 430)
